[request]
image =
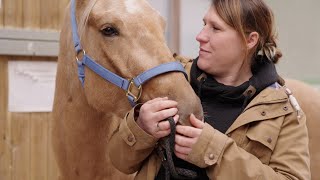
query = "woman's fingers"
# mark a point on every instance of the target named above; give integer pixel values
(163, 104)
(188, 131)
(182, 149)
(159, 104)
(184, 141)
(166, 113)
(181, 156)
(196, 122)
(156, 99)
(153, 113)
(165, 125)
(161, 133)
(187, 136)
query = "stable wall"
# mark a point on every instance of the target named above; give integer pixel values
(25, 138)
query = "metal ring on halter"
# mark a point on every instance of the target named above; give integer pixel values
(81, 51)
(129, 91)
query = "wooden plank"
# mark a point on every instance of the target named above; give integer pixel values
(31, 14)
(49, 14)
(32, 35)
(39, 146)
(13, 14)
(29, 42)
(174, 25)
(20, 132)
(3, 98)
(1, 13)
(5, 153)
(53, 171)
(29, 48)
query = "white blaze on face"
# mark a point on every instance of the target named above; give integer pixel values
(133, 6)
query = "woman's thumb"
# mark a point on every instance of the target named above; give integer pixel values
(196, 122)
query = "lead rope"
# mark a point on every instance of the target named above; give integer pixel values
(165, 150)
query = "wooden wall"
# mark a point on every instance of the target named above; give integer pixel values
(32, 14)
(25, 139)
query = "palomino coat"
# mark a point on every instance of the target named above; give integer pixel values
(267, 141)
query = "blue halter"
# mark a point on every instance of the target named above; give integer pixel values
(109, 76)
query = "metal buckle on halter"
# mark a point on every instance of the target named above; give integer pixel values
(80, 52)
(129, 91)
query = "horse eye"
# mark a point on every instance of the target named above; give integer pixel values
(110, 31)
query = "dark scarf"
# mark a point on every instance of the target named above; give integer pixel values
(222, 104)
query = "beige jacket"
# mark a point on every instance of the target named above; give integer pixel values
(266, 142)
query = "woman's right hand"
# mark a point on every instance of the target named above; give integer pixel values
(153, 113)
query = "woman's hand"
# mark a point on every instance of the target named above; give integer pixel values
(187, 136)
(153, 113)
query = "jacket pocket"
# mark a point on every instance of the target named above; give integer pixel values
(262, 138)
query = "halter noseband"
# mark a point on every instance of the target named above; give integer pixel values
(109, 76)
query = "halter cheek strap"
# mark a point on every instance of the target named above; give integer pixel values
(111, 77)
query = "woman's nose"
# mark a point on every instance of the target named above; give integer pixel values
(202, 37)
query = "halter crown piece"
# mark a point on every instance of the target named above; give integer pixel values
(109, 76)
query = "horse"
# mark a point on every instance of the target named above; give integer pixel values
(309, 100)
(124, 39)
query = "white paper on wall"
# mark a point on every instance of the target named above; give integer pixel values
(31, 86)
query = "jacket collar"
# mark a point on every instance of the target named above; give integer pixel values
(264, 75)
(270, 103)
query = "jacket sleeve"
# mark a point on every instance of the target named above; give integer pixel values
(129, 146)
(224, 159)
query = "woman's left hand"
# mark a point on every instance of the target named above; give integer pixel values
(187, 136)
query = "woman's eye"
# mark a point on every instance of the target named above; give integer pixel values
(110, 31)
(215, 28)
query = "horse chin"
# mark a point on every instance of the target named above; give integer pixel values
(186, 110)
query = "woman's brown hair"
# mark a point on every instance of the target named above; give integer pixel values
(247, 16)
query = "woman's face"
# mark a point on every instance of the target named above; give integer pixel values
(222, 50)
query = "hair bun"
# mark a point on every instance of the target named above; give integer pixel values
(271, 51)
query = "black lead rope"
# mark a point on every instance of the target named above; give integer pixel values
(165, 151)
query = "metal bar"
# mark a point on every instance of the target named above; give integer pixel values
(29, 43)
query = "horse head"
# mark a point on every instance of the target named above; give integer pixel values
(127, 38)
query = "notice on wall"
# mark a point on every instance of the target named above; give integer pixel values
(31, 86)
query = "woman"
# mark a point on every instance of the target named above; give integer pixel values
(251, 130)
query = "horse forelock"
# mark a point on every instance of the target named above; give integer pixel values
(84, 17)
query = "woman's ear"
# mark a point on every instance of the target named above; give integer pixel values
(252, 40)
